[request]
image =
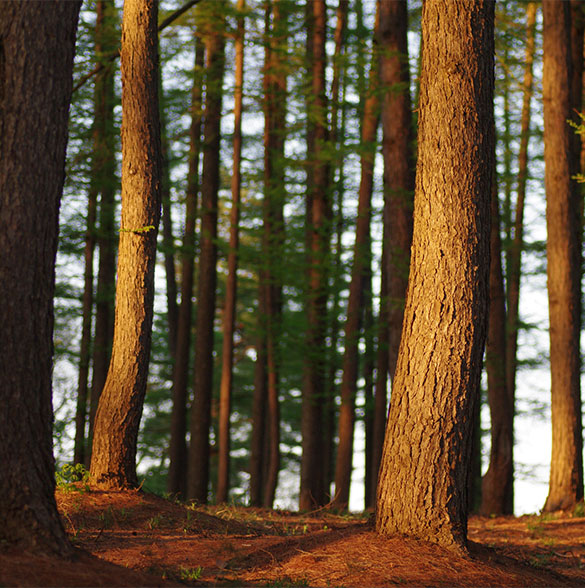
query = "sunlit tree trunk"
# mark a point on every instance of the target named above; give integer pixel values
(229, 311)
(113, 462)
(177, 476)
(198, 468)
(360, 267)
(37, 45)
(422, 490)
(563, 267)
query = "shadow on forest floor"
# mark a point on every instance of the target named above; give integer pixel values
(137, 539)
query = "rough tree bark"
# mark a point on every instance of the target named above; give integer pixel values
(422, 490)
(563, 262)
(37, 44)
(113, 461)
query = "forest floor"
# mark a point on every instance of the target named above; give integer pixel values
(138, 539)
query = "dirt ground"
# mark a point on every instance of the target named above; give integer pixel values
(137, 539)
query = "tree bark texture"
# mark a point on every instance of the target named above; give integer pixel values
(397, 140)
(422, 490)
(113, 463)
(37, 44)
(198, 469)
(177, 476)
(563, 263)
(229, 311)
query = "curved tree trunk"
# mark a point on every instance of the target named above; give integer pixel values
(113, 461)
(422, 490)
(37, 44)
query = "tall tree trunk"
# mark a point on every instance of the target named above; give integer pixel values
(198, 469)
(318, 230)
(257, 442)
(360, 268)
(37, 45)
(106, 182)
(563, 268)
(113, 461)
(368, 370)
(422, 490)
(168, 240)
(79, 449)
(514, 257)
(336, 179)
(497, 485)
(275, 85)
(398, 202)
(229, 312)
(177, 476)
(102, 172)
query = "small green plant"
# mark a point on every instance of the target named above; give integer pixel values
(191, 574)
(107, 518)
(154, 522)
(287, 582)
(72, 477)
(579, 510)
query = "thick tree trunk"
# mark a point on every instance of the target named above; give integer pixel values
(37, 45)
(198, 474)
(398, 202)
(229, 312)
(563, 268)
(422, 490)
(360, 267)
(113, 462)
(177, 476)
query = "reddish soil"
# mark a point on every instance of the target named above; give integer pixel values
(137, 539)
